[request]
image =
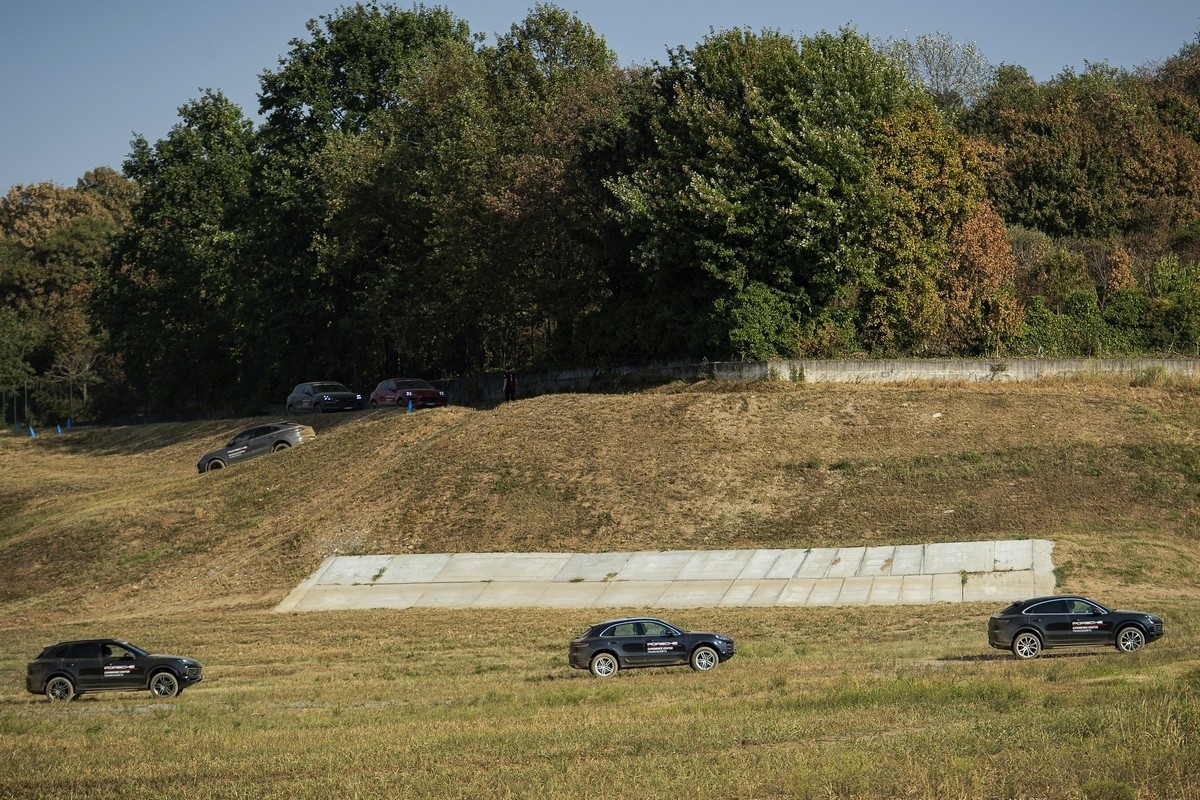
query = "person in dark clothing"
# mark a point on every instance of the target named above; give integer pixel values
(510, 386)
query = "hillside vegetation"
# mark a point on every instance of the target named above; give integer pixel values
(115, 521)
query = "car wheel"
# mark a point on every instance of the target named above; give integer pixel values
(317, 409)
(280, 446)
(291, 409)
(1130, 638)
(374, 404)
(1026, 645)
(60, 688)
(215, 464)
(704, 659)
(604, 665)
(164, 684)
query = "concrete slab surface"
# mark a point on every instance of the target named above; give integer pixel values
(951, 572)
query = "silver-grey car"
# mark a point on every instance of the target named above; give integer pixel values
(256, 441)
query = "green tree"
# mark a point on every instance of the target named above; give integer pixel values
(177, 293)
(326, 109)
(806, 179)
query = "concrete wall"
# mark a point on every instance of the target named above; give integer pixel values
(490, 388)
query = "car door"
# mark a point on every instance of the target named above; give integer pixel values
(664, 644)
(123, 669)
(1090, 624)
(82, 660)
(389, 394)
(304, 398)
(626, 638)
(260, 441)
(238, 448)
(1053, 620)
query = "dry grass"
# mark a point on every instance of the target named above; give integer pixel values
(846, 703)
(110, 531)
(1108, 471)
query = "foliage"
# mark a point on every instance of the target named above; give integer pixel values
(175, 295)
(956, 74)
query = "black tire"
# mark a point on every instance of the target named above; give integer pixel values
(60, 689)
(1130, 639)
(374, 404)
(215, 464)
(704, 659)
(604, 665)
(1027, 645)
(275, 448)
(291, 409)
(317, 409)
(164, 684)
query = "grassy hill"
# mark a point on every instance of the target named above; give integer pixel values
(110, 532)
(113, 520)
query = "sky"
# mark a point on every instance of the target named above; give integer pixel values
(79, 78)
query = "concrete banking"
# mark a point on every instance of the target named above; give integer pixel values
(918, 574)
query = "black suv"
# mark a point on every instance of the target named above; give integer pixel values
(66, 670)
(1029, 626)
(618, 644)
(322, 396)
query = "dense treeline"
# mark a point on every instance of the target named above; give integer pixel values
(418, 202)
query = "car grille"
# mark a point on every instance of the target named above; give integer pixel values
(193, 673)
(1158, 629)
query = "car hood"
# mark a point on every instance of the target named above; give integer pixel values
(167, 656)
(708, 633)
(1135, 613)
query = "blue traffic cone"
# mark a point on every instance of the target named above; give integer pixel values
(58, 428)
(410, 405)
(32, 433)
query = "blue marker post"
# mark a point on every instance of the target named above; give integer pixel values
(68, 423)
(410, 405)
(59, 429)
(32, 433)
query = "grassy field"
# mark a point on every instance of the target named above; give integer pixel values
(825, 703)
(110, 532)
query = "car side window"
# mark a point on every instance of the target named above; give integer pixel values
(83, 650)
(1048, 607)
(1077, 606)
(623, 629)
(655, 629)
(117, 651)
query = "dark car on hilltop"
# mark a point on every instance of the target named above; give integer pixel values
(322, 396)
(1027, 627)
(256, 441)
(402, 391)
(66, 670)
(631, 642)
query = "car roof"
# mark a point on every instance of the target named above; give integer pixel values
(608, 622)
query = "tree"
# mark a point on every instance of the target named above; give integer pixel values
(176, 297)
(798, 192)
(956, 74)
(342, 82)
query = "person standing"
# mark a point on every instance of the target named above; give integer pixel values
(510, 386)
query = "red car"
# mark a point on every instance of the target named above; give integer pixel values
(402, 391)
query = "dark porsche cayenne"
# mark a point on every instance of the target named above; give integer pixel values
(66, 670)
(322, 396)
(1027, 627)
(631, 642)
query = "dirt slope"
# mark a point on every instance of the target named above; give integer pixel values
(115, 521)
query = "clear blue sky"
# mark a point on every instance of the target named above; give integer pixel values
(79, 77)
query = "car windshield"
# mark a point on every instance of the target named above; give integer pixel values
(329, 387)
(137, 651)
(412, 385)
